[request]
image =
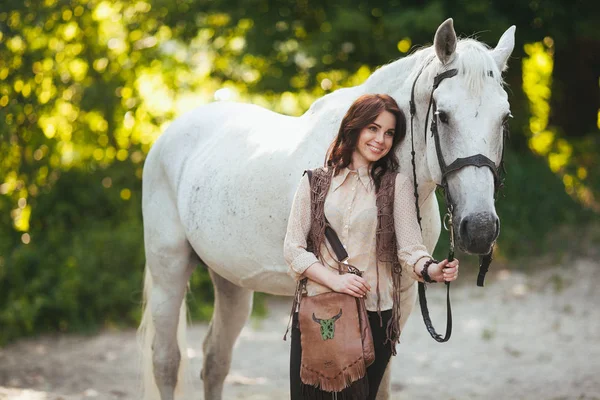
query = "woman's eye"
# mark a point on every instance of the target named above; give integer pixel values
(443, 117)
(372, 129)
(390, 133)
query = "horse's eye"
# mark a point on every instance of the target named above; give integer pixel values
(506, 118)
(442, 116)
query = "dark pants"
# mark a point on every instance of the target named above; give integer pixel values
(374, 372)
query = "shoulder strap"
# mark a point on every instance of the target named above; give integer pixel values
(332, 237)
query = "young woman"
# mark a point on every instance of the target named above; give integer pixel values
(362, 153)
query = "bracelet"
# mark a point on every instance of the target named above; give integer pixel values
(424, 272)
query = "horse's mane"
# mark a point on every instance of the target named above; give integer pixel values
(475, 63)
(472, 59)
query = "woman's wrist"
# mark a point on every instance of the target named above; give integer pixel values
(425, 270)
(322, 275)
(418, 267)
(421, 269)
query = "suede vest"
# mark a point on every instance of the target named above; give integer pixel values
(386, 247)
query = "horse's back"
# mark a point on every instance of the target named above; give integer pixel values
(230, 168)
(207, 129)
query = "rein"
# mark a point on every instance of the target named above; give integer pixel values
(477, 160)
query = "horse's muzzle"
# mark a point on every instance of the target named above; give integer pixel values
(477, 232)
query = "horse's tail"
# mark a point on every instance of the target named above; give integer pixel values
(146, 336)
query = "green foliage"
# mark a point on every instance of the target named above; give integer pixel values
(533, 204)
(201, 294)
(83, 266)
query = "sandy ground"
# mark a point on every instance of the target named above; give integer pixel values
(523, 336)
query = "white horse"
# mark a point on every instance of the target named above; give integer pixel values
(218, 186)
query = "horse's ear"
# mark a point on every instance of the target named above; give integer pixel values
(504, 48)
(445, 41)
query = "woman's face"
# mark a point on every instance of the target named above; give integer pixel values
(375, 140)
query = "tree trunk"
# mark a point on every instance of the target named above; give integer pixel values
(519, 104)
(575, 93)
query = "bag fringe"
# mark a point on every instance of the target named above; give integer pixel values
(337, 383)
(358, 391)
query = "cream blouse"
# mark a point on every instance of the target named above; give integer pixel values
(352, 212)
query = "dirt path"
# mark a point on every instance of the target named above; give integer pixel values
(522, 337)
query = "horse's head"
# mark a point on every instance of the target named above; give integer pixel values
(469, 110)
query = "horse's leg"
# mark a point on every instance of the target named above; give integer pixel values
(408, 297)
(232, 308)
(163, 326)
(170, 261)
(385, 386)
(166, 298)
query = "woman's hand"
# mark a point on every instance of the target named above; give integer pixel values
(351, 284)
(444, 271)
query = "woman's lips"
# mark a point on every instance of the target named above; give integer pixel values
(375, 149)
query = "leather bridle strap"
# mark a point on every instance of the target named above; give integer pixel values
(478, 160)
(436, 82)
(422, 297)
(413, 111)
(449, 73)
(427, 319)
(484, 264)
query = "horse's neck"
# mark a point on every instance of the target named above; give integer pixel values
(394, 78)
(397, 79)
(325, 115)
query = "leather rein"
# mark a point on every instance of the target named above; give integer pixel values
(477, 160)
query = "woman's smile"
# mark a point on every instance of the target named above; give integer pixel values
(375, 149)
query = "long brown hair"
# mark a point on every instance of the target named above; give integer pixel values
(361, 113)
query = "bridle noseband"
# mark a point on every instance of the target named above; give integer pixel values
(477, 160)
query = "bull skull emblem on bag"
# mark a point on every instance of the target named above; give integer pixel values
(327, 325)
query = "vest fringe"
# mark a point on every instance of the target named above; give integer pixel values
(387, 253)
(320, 182)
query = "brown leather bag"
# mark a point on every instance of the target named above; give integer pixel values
(337, 344)
(336, 340)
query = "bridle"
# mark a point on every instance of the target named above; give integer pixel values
(477, 160)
